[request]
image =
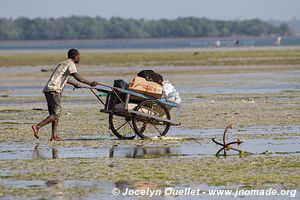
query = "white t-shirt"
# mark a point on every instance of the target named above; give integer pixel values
(60, 76)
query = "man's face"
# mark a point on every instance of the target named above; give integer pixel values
(77, 58)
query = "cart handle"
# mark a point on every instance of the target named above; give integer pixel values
(91, 88)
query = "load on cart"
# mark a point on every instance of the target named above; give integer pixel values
(141, 107)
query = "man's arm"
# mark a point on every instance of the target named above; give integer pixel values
(77, 85)
(83, 80)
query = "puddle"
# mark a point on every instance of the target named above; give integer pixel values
(245, 82)
(21, 152)
(261, 130)
(12, 122)
(49, 183)
(181, 142)
(240, 90)
(257, 140)
(58, 188)
(147, 190)
(241, 83)
(146, 152)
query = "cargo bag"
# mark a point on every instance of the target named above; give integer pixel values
(150, 75)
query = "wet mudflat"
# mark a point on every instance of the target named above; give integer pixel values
(262, 102)
(180, 143)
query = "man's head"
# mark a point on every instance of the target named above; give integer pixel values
(74, 55)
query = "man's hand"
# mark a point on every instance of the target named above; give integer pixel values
(94, 83)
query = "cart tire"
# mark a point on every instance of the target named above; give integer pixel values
(121, 127)
(146, 127)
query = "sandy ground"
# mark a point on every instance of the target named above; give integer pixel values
(263, 103)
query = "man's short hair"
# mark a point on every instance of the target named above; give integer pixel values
(72, 53)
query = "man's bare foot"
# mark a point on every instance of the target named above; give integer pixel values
(56, 138)
(35, 131)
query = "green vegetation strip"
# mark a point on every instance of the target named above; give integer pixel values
(234, 58)
(255, 171)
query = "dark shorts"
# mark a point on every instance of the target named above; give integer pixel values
(54, 103)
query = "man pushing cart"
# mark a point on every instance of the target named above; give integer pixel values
(54, 88)
(134, 109)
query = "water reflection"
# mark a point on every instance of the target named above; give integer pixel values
(140, 151)
(137, 151)
(52, 183)
(38, 155)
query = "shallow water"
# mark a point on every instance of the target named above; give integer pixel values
(179, 142)
(151, 190)
(183, 143)
(220, 80)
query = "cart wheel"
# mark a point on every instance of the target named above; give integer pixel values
(148, 126)
(121, 127)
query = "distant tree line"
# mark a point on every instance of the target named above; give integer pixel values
(100, 28)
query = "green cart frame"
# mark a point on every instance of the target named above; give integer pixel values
(132, 113)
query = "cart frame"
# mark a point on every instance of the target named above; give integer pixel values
(158, 111)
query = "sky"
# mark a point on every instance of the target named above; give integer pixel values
(153, 9)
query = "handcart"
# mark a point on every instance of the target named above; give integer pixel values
(132, 113)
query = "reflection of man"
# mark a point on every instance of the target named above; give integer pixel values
(54, 153)
(37, 155)
(54, 88)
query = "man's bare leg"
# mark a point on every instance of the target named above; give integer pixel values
(35, 129)
(46, 121)
(54, 136)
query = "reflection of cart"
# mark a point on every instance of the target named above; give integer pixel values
(132, 113)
